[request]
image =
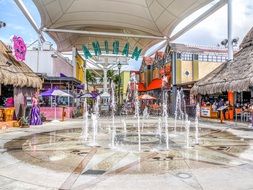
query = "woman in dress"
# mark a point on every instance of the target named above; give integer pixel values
(35, 112)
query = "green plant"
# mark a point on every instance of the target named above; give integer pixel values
(43, 117)
(77, 113)
(24, 121)
(90, 78)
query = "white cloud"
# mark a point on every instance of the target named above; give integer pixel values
(214, 29)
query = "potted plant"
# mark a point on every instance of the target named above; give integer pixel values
(43, 117)
(24, 122)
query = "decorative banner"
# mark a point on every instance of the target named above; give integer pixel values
(162, 72)
(115, 47)
(136, 53)
(148, 60)
(115, 50)
(96, 48)
(86, 52)
(159, 55)
(164, 82)
(126, 49)
(106, 47)
(19, 48)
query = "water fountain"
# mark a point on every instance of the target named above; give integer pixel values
(94, 126)
(95, 119)
(145, 113)
(187, 134)
(197, 124)
(113, 107)
(136, 138)
(86, 119)
(177, 108)
(165, 117)
(124, 127)
(159, 131)
(137, 109)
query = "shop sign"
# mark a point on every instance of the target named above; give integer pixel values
(205, 112)
(115, 49)
(19, 48)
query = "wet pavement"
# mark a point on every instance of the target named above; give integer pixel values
(55, 156)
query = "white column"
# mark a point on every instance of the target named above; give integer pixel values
(105, 80)
(105, 75)
(230, 31)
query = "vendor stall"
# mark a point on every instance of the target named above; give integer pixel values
(234, 79)
(17, 82)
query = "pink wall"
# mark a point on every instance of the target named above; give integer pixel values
(49, 112)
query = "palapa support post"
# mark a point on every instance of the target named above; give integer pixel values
(221, 116)
(63, 113)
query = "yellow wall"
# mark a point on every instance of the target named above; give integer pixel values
(207, 67)
(178, 71)
(125, 77)
(186, 66)
(196, 69)
(80, 69)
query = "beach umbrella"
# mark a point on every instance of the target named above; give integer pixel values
(87, 95)
(55, 92)
(146, 97)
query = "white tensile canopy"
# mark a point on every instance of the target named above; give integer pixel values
(136, 17)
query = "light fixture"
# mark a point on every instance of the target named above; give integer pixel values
(234, 42)
(2, 24)
(119, 65)
(224, 42)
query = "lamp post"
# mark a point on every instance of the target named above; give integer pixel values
(119, 67)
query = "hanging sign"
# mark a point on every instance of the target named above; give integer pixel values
(19, 48)
(115, 49)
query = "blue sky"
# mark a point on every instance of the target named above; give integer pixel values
(16, 22)
(211, 31)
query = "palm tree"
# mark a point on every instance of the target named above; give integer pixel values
(90, 77)
(116, 79)
(110, 77)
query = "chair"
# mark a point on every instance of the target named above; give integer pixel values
(246, 115)
(238, 112)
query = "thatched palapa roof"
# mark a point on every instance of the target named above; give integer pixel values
(236, 75)
(18, 73)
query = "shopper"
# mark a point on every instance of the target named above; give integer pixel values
(35, 118)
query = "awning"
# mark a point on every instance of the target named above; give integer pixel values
(141, 87)
(155, 84)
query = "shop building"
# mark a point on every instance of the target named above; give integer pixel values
(18, 83)
(231, 83)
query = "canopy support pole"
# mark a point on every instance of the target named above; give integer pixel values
(230, 31)
(104, 33)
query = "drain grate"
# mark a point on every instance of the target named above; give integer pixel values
(184, 175)
(94, 172)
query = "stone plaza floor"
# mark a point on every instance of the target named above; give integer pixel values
(55, 156)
